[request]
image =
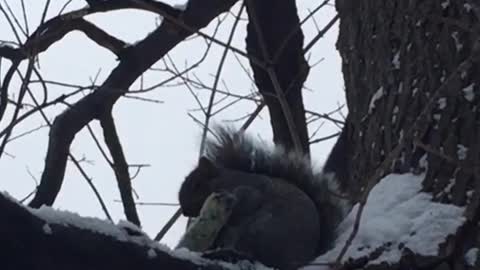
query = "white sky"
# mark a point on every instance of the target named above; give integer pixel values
(161, 135)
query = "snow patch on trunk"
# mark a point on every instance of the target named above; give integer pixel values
(397, 216)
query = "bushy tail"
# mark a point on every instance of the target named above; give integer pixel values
(240, 151)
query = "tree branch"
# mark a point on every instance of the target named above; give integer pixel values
(56, 28)
(120, 167)
(30, 241)
(280, 82)
(138, 59)
(101, 37)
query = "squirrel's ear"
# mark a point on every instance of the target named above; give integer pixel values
(207, 167)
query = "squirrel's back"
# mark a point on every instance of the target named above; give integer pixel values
(229, 149)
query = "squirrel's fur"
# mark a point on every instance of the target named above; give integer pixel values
(242, 152)
(285, 213)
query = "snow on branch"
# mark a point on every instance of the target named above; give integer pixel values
(50, 239)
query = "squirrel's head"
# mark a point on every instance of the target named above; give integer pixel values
(197, 187)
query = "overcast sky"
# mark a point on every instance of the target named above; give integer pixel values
(161, 135)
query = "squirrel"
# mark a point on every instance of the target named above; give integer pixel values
(284, 213)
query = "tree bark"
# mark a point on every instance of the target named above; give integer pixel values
(411, 71)
(277, 41)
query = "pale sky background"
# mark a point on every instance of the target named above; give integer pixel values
(161, 135)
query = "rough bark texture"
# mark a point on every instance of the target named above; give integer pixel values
(274, 37)
(403, 60)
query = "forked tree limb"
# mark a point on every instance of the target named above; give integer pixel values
(139, 58)
(56, 28)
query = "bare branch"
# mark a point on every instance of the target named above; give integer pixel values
(58, 246)
(334, 135)
(120, 167)
(217, 78)
(140, 57)
(23, 90)
(169, 225)
(321, 33)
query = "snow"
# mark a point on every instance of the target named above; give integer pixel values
(378, 95)
(415, 90)
(245, 265)
(46, 229)
(151, 253)
(7, 45)
(461, 151)
(9, 197)
(395, 113)
(196, 258)
(44, 31)
(396, 216)
(96, 225)
(130, 226)
(186, 254)
(442, 103)
(396, 61)
(467, 7)
(448, 188)
(445, 4)
(458, 45)
(471, 256)
(67, 218)
(423, 162)
(468, 92)
(469, 195)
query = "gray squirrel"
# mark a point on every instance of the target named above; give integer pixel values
(284, 213)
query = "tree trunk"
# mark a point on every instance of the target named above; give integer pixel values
(412, 85)
(277, 41)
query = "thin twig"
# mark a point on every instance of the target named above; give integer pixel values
(217, 77)
(119, 166)
(169, 224)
